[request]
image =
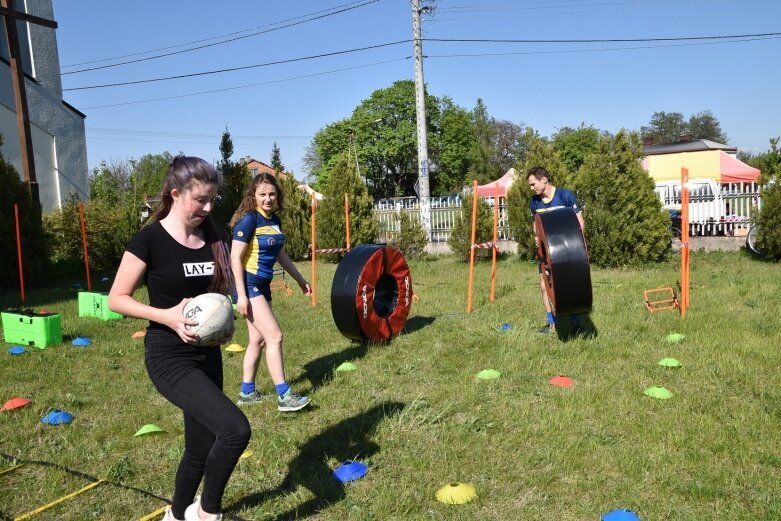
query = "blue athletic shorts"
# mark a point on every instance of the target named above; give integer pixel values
(257, 286)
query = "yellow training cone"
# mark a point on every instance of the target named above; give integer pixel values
(456, 493)
(234, 348)
(246, 454)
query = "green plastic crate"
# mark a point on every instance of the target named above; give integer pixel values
(93, 304)
(29, 328)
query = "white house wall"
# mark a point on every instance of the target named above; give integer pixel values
(59, 140)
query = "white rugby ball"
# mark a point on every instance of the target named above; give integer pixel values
(214, 314)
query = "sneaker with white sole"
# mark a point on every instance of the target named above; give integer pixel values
(547, 329)
(169, 516)
(291, 401)
(250, 398)
(191, 513)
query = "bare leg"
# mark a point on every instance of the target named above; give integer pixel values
(263, 321)
(252, 355)
(545, 300)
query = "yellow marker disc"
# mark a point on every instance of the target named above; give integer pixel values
(456, 493)
(246, 454)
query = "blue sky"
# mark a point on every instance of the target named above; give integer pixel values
(542, 85)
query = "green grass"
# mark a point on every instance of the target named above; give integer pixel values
(416, 414)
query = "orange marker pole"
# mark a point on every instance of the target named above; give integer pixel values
(496, 238)
(84, 243)
(347, 219)
(685, 242)
(19, 250)
(314, 248)
(472, 248)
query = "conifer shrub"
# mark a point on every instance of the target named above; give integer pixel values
(34, 252)
(768, 219)
(540, 153)
(411, 238)
(625, 223)
(296, 219)
(460, 240)
(331, 229)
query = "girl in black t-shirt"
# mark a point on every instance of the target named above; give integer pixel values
(179, 256)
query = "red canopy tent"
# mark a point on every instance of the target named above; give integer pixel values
(504, 182)
(735, 171)
(710, 164)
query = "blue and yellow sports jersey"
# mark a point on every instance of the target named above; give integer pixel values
(264, 239)
(561, 198)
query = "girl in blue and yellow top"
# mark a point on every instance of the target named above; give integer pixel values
(258, 242)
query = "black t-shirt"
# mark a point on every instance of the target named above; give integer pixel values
(173, 271)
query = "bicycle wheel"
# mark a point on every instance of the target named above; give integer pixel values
(752, 242)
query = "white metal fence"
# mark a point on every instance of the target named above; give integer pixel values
(443, 216)
(714, 209)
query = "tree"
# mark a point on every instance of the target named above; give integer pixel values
(704, 125)
(481, 167)
(460, 239)
(383, 131)
(34, 246)
(276, 159)
(769, 217)
(574, 144)
(625, 223)
(411, 240)
(331, 229)
(668, 127)
(110, 182)
(149, 173)
(664, 127)
(497, 146)
(509, 145)
(235, 179)
(328, 143)
(451, 171)
(295, 218)
(540, 153)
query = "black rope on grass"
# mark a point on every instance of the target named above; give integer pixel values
(92, 479)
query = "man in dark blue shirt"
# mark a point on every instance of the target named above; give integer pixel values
(546, 198)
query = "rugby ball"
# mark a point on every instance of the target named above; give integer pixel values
(214, 314)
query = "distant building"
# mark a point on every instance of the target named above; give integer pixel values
(704, 159)
(58, 136)
(256, 167)
(687, 143)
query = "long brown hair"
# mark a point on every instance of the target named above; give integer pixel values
(248, 203)
(182, 171)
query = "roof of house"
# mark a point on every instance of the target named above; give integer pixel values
(695, 145)
(251, 163)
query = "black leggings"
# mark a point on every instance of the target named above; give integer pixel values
(216, 432)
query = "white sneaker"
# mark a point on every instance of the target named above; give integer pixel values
(169, 516)
(191, 513)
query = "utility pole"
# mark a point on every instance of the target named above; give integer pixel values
(10, 16)
(424, 193)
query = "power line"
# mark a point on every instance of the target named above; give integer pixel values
(606, 49)
(603, 40)
(158, 133)
(233, 69)
(725, 38)
(238, 87)
(219, 43)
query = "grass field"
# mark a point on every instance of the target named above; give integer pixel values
(417, 415)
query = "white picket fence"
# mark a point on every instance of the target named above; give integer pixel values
(443, 216)
(726, 209)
